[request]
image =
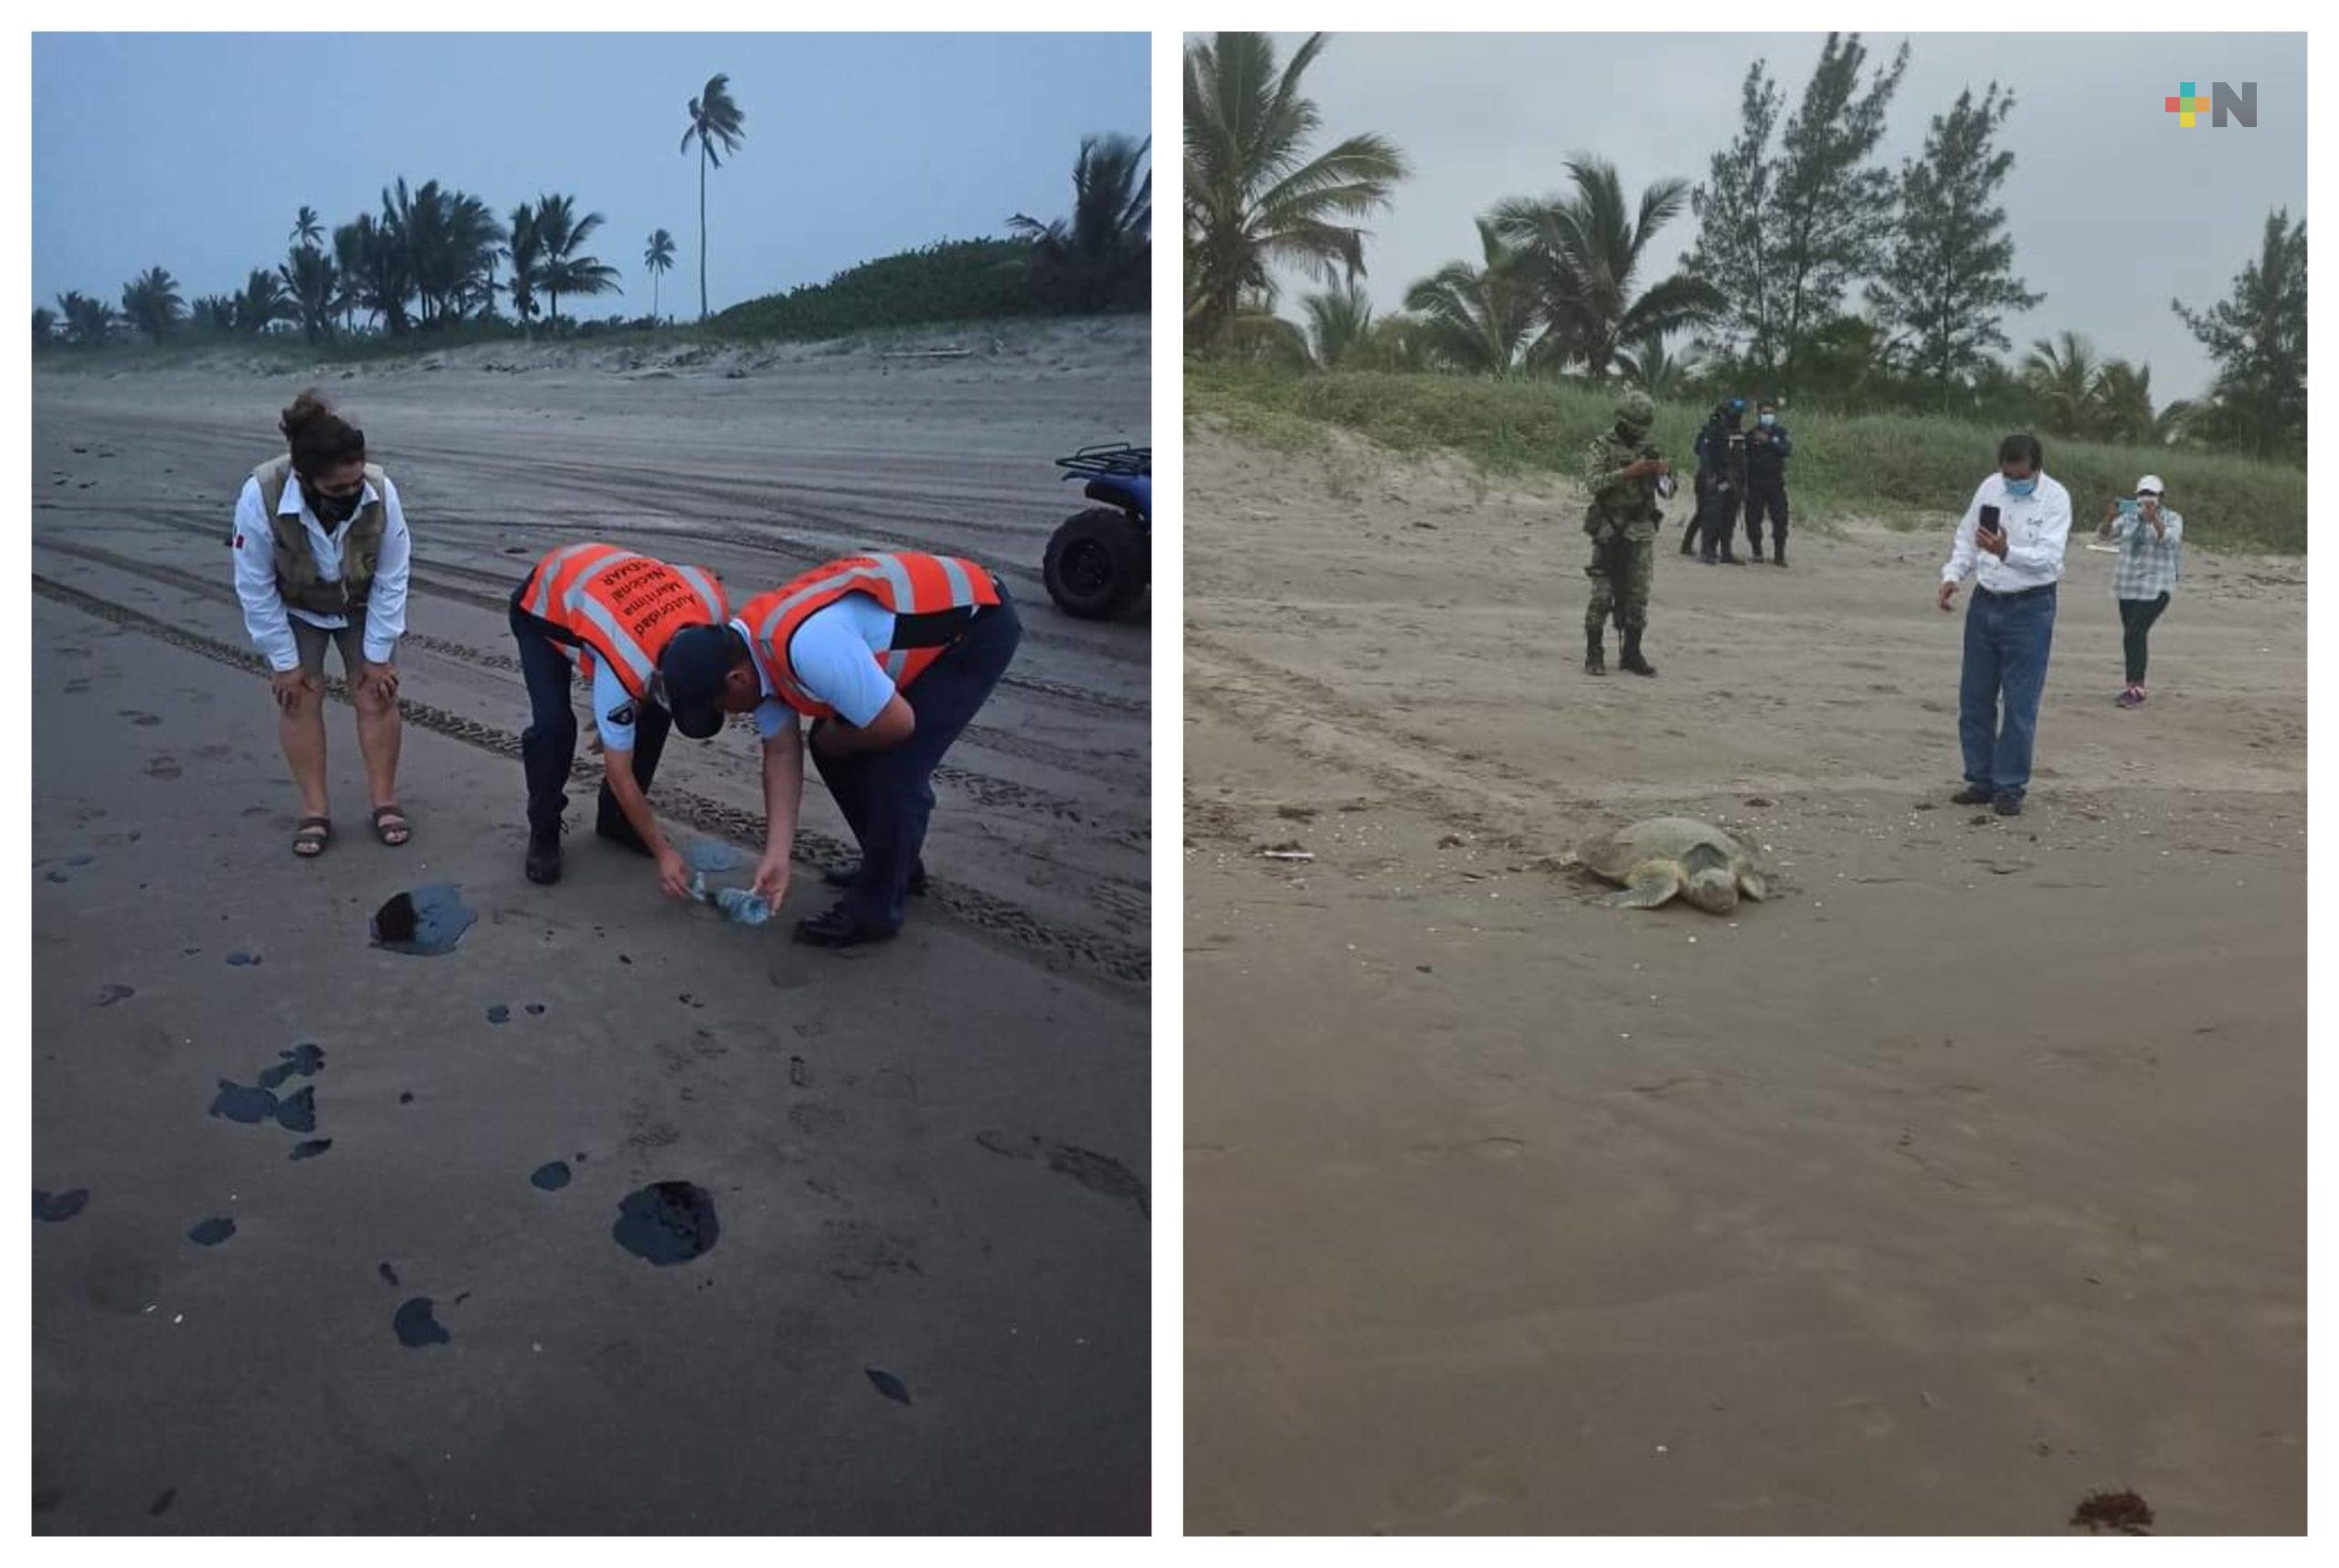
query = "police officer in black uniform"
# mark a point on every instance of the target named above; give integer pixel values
(1767, 447)
(1721, 483)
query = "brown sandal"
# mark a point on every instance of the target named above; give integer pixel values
(397, 824)
(309, 840)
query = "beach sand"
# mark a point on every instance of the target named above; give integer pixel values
(1962, 1179)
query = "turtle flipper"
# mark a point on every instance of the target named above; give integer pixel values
(1751, 884)
(1652, 882)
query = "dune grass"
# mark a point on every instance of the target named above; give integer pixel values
(1898, 468)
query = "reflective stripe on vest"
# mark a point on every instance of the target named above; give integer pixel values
(621, 606)
(906, 584)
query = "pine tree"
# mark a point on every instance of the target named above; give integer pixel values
(1948, 275)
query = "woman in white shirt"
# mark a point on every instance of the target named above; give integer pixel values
(322, 557)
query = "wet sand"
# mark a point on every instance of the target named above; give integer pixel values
(926, 1304)
(1963, 1180)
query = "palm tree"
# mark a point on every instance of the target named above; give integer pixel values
(348, 259)
(382, 283)
(307, 285)
(1476, 319)
(1584, 252)
(152, 303)
(88, 321)
(43, 326)
(526, 253)
(560, 231)
(307, 228)
(2124, 411)
(269, 297)
(658, 260)
(715, 123)
(2062, 376)
(214, 312)
(1339, 321)
(1253, 197)
(1103, 257)
(1651, 367)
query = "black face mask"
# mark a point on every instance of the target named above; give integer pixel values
(335, 509)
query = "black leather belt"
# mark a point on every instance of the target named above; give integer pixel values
(1980, 592)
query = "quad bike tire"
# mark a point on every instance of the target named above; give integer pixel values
(1098, 564)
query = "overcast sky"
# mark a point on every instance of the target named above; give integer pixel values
(193, 151)
(2113, 207)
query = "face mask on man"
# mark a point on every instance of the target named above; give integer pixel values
(1768, 420)
(2019, 488)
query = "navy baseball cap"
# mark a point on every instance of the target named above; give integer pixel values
(691, 670)
(1738, 404)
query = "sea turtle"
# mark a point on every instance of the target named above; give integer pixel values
(1655, 859)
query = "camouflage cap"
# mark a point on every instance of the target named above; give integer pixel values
(1634, 409)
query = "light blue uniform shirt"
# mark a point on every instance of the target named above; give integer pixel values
(834, 654)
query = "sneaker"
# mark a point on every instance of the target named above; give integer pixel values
(1973, 795)
(2133, 697)
(2008, 805)
(543, 864)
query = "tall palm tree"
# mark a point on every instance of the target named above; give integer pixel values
(1584, 253)
(717, 123)
(213, 313)
(43, 326)
(1653, 368)
(2062, 376)
(348, 260)
(560, 231)
(307, 228)
(1255, 199)
(658, 260)
(1340, 321)
(2124, 410)
(1476, 319)
(1104, 256)
(306, 284)
(150, 301)
(265, 301)
(526, 253)
(88, 321)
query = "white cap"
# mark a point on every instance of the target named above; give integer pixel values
(2150, 481)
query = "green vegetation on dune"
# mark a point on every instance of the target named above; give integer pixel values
(1900, 468)
(955, 280)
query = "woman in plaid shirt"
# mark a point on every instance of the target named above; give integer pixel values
(2149, 536)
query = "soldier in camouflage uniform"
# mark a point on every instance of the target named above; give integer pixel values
(1621, 473)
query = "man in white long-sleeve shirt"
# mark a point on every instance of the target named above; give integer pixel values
(2011, 538)
(322, 557)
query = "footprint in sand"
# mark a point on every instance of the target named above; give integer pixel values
(164, 766)
(143, 720)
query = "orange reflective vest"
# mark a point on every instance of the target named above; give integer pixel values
(932, 597)
(621, 608)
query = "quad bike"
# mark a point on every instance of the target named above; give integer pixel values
(1100, 560)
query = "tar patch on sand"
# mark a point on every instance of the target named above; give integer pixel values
(426, 921)
(2119, 1513)
(552, 1176)
(57, 1207)
(414, 1325)
(211, 1232)
(889, 1385)
(666, 1223)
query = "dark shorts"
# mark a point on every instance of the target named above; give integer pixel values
(312, 639)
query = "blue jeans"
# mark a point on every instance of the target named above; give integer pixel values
(2006, 641)
(888, 796)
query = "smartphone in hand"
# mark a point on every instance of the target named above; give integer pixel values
(1989, 524)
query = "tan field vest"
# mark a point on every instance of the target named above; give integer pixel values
(296, 566)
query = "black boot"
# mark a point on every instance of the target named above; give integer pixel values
(543, 856)
(844, 876)
(1632, 660)
(1778, 553)
(1595, 660)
